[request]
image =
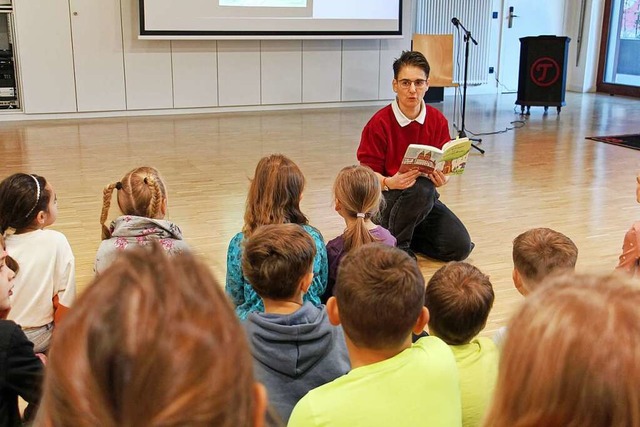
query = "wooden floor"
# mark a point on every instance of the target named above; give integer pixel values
(543, 174)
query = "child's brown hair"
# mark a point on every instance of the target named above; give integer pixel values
(459, 298)
(380, 294)
(152, 341)
(276, 258)
(274, 194)
(141, 192)
(540, 252)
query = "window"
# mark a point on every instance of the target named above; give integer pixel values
(619, 68)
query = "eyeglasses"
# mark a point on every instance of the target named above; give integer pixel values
(406, 83)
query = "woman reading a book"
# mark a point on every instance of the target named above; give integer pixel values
(413, 212)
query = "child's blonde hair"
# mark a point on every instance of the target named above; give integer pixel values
(274, 194)
(571, 356)
(141, 192)
(357, 189)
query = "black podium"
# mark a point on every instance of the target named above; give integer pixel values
(542, 80)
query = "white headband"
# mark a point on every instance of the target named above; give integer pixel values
(37, 196)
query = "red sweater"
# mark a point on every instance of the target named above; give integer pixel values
(384, 141)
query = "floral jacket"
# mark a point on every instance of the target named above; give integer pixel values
(129, 231)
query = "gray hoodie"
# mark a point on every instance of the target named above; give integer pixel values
(295, 353)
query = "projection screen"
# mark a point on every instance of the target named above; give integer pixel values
(270, 19)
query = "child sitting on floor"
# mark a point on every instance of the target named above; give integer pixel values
(21, 370)
(294, 346)
(572, 359)
(357, 199)
(153, 341)
(274, 198)
(537, 254)
(46, 286)
(459, 298)
(378, 300)
(142, 199)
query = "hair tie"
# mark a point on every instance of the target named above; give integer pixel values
(37, 196)
(360, 215)
(145, 180)
(118, 185)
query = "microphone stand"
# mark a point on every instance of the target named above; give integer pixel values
(467, 36)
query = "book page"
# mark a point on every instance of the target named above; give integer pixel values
(421, 157)
(452, 160)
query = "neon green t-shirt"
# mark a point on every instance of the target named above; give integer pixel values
(419, 386)
(478, 368)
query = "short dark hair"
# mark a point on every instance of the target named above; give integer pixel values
(411, 58)
(380, 294)
(540, 252)
(276, 257)
(459, 298)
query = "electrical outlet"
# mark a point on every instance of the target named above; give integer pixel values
(490, 70)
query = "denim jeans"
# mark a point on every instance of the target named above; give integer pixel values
(421, 222)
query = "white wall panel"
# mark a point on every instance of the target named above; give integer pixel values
(43, 33)
(147, 65)
(389, 51)
(239, 72)
(98, 54)
(281, 71)
(114, 70)
(195, 73)
(360, 70)
(321, 70)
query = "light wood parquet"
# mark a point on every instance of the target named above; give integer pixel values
(543, 174)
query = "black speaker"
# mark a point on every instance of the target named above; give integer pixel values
(542, 79)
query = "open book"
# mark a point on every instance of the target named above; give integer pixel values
(451, 159)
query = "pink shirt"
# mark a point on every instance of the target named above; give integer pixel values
(630, 256)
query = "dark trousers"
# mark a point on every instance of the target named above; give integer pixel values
(421, 222)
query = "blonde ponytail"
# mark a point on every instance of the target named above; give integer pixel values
(155, 204)
(358, 234)
(358, 191)
(106, 203)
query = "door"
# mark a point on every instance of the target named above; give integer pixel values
(98, 54)
(522, 18)
(45, 57)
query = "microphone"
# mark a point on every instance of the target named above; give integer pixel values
(455, 21)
